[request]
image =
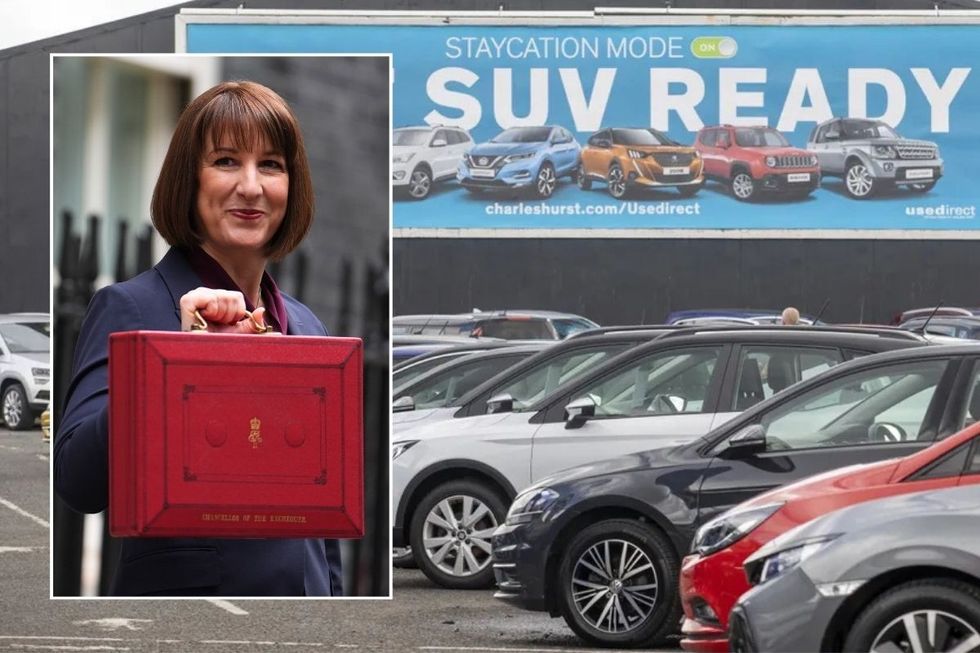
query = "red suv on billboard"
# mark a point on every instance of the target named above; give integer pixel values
(712, 578)
(756, 160)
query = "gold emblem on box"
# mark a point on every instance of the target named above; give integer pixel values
(255, 435)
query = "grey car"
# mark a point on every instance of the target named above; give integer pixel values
(897, 574)
(869, 155)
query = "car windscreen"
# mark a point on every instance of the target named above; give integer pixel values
(523, 135)
(640, 137)
(566, 327)
(753, 137)
(410, 137)
(855, 129)
(26, 337)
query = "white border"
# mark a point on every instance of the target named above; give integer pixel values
(607, 17)
(51, 259)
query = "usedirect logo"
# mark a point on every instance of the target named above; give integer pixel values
(714, 47)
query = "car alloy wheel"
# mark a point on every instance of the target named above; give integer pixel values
(743, 186)
(451, 532)
(419, 184)
(934, 614)
(616, 181)
(583, 180)
(618, 584)
(16, 413)
(858, 181)
(546, 181)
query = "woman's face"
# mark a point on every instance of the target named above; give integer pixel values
(242, 195)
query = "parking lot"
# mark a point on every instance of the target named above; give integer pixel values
(421, 617)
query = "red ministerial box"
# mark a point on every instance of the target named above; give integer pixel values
(217, 435)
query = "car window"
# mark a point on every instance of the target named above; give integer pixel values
(26, 337)
(561, 369)
(675, 381)
(708, 138)
(886, 404)
(764, 370)
(441, 135)
(566, 327)
(514, 329)
(724, 139)
(951, 464)
(410, 372)
(974, 467)
(444, 388)
(972, 409)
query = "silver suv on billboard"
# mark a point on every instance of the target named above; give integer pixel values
(870, 156)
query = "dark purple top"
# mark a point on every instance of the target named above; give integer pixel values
(214, 276)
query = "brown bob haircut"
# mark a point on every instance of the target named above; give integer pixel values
(244, 113)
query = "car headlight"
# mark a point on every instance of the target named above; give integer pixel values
(519, 157)
(40, 371)
(814, 160)
(398, 448)
(780, 562)
(404, 157)
(730, 527)
(771, 161)
(884, 152)
(529, 505)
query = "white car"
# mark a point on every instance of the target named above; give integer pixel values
(421, 156)
(25, 368)
(452, 480)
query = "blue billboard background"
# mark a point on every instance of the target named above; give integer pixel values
(922, 62)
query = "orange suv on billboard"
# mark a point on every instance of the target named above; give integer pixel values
(639, 158)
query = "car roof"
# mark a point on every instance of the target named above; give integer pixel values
(24, 317)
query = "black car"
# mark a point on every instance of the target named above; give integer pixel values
(965, 327)
(601, 544)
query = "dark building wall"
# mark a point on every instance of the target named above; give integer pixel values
(630, 281)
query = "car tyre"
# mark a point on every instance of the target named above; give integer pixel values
(403, 558)
(616, 182)
(859, 182)
(743, 186)
(955, 605)
(420, 183)
(451, 531)
(17, 413)
(611, 560)
(583, 180)
(546, 181)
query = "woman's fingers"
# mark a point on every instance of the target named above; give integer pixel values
(217, 307)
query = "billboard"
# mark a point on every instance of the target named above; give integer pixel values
(710, 128)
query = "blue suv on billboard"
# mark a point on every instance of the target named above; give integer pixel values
(520, 158)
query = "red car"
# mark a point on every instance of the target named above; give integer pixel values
(756, 160)
(712, 579)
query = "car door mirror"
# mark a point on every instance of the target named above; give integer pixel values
(403, 404)
(748, 441)
(886, 432)
(439, 142)
(579, 411)
(502, 403)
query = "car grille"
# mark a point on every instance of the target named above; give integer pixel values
(916, 151)
(485, 162)
(669, 159)
(794, 161)
(675, 179)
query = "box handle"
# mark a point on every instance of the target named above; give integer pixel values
(200, 324)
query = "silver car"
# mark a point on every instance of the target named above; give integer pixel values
(869, 155)
(897, 574)
(25, 367)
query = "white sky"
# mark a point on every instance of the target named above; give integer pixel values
(24, 21)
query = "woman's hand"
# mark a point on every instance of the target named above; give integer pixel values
(224, 311)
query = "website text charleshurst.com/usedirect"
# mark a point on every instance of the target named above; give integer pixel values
(624, 208)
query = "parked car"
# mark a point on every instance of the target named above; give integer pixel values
(870, 155)
(506, 324)
(751, 161)
(967, 328)
(601, 544)
(679, 385)
(896, 574)
(25, 368)
(712, 577)
(407, 368)
(453, 379)
(938, 311)
(518, 158)
(524, 383)
(639, 158)
(422, 156)
(746, 315)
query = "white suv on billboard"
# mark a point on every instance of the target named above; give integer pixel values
(25, 367)
(421, 156)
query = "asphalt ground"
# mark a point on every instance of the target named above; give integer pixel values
(420, 617)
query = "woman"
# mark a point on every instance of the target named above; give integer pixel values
(234, 192)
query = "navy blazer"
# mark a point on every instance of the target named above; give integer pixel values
(171, 566)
